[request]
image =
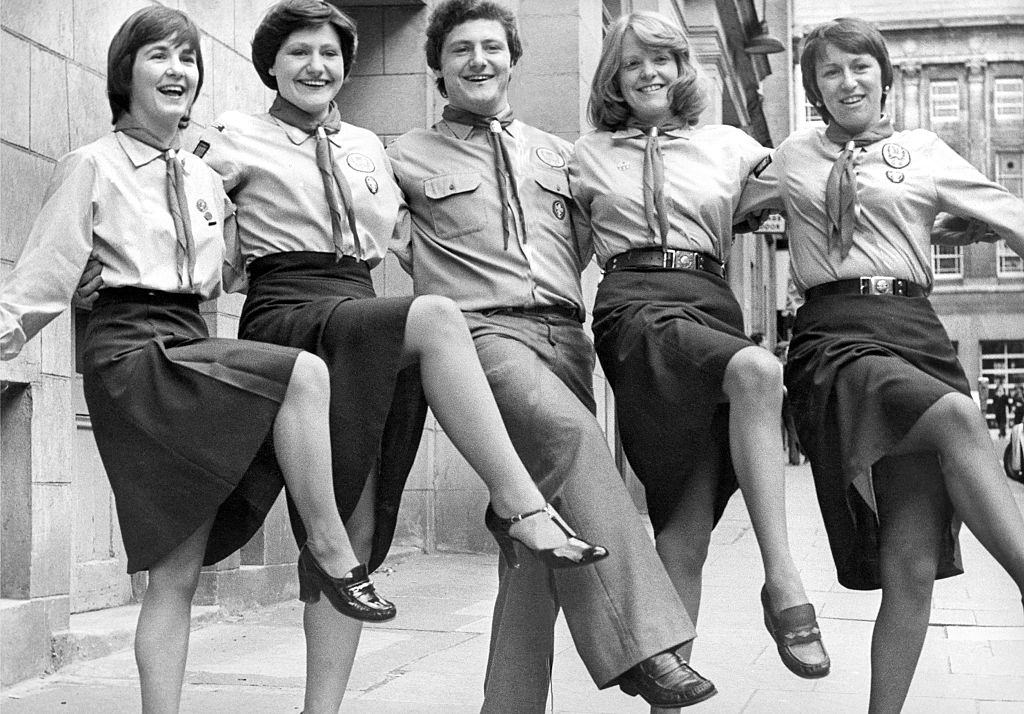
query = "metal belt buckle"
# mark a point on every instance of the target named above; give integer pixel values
(878, 285)
(679, 259)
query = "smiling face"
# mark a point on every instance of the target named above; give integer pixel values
(851, 87)
(644, 78)
(476, 66)
(310, 69)
(164, 80)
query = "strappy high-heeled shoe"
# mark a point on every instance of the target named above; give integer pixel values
(352, 594)
(574, 553)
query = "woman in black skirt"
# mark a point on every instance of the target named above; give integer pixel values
(698, 404)
(195, 433)
(900, 451)
(316, 207)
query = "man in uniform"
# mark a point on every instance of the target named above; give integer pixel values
(490, 226)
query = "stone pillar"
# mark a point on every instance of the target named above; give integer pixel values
(977, 129)
(911, 95)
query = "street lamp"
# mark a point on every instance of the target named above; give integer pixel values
(763, 43)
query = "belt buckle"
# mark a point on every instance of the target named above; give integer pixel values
(679, 259)
(878, 285)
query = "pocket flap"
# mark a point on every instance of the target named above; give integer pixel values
(449, 184)
(556, 182)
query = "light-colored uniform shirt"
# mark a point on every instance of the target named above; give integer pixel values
(902, 183)
(705, 171)
(269, 170)
(455, 243)
(109, 198)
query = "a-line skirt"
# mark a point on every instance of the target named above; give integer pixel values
(377, 409)
(182, 422)
(664, 338)
(861, 372)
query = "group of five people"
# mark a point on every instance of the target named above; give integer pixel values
(326, 389)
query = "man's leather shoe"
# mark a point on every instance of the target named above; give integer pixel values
(666, 680)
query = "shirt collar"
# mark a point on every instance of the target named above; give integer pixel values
(464, 131)
(633, 132)
(138, 153)
(297, 136)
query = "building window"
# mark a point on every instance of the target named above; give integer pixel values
(1008, 263)
(948, 261)
(1002, 361)
(811, 115)
(1009, 171)
(944, 99)
(1009, 99)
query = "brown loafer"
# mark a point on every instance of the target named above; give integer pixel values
(666, 680)
(796, 626)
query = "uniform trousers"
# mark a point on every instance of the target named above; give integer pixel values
(620, 610)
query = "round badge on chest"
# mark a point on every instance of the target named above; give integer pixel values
(372, 185)
(360, 162)
(550, 157)
(894, 176)
(558, 209)
(895, 155)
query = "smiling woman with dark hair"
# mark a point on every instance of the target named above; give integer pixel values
(899, 449)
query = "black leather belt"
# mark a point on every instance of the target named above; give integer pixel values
(670, 259)
(867, 285)
(146, 296)
(568, 311)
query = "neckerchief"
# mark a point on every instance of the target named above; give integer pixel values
(336, 187)
(655, 206)
(841, 205)
(177, 201)
(502, 163)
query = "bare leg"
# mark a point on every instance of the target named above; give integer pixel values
(303, 445)
(753, 384)
(973, 477)
(332, 638)
(161, 637)
(912, 506)
(458, 393)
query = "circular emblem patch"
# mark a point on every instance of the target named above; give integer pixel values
(558, 208)
(208, 216)
(551, 158)
(371, 183)
(895, 155)
(360, 162)
(894, 176)
(201, 205)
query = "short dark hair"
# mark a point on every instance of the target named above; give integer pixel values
(150, 24)
(286, 17)
(448, 15)
(607, 107)
(849, 34)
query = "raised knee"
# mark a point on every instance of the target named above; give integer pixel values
(754, 372)
(310, 374)
(437, 311)
(913, 576)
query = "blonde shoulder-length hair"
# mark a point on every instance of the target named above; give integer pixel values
(607, 108)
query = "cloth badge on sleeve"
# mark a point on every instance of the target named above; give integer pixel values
(558, 208)
(894, 176)
(550, 157)
(371, 183)
(360, 162)
(895, 155)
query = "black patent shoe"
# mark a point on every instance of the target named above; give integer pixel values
(797, 626)
(665, 680)
(574, 553)
(352, 594)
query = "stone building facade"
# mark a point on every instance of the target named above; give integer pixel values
(61, 555)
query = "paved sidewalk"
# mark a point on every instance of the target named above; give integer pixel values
(431, 658)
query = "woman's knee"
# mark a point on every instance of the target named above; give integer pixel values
(753, 372)
(310, 375)
(436, 312)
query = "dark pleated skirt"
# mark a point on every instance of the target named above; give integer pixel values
(377, 409)
(182, 422)
(664, 338)
(861, 372)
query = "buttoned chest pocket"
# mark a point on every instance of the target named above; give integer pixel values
(456, 209)
(555, 198)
